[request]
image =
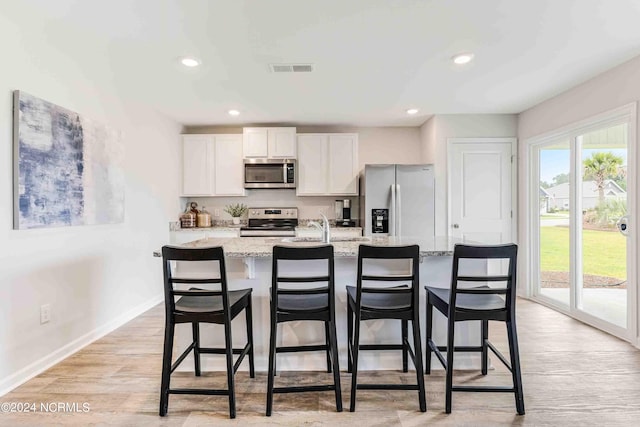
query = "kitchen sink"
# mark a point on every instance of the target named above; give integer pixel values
(333, 239)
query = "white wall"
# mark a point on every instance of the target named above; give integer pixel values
(438, 129)
(375, 145)
(94, 277)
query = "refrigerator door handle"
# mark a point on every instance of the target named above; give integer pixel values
(399, 209)
(392, 220)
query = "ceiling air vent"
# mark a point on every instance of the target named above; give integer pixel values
(291, 68)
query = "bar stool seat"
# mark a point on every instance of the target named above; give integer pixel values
(466, 301)
(211, 304)
(381, 302)
(304, 303)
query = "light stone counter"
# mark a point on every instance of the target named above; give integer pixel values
(260, 247)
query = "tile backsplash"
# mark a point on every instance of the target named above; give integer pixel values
(308, 207)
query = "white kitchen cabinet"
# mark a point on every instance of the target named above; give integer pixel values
(343, 164)
(212, 165)
(327, 165)
(313, 163)
(271, 143)
(228, 166)
(256, 142)
(196, 165)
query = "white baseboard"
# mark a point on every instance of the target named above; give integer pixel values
(39, 366)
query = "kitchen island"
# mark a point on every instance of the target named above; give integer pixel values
(248, 263)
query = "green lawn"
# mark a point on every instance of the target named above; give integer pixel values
(604, 252)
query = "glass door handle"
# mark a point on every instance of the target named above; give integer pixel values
(623, 225)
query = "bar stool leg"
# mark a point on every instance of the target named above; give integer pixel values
(354, 366)
(485, 347)
(249, 320)
(450, 351)
(195, 327)
(272, 365)
(230, 373)
(417, 346)
(326, 341)
(405, 353)
(333, 340)
(515, 365)
(349, 337)
(429, 334)
(166, 367)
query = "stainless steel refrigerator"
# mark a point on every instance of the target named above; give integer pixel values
(398, 200)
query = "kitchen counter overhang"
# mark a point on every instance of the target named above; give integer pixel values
(261, 247)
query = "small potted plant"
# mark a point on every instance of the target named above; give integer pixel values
(236, 211)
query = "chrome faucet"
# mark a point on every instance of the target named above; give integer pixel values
(324, 228)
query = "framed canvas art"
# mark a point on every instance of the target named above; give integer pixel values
(67, 168)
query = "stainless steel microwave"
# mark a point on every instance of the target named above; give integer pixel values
(269, 173)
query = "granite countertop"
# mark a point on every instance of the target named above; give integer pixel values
(214, 228)
(237, 227)
(262, 247)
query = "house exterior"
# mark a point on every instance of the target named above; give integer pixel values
(544, 201)
(558, 196)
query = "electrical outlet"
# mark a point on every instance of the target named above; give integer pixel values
(45, 313)
(216, 213)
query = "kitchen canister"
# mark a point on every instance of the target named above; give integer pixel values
(188, 218)
(203, 218)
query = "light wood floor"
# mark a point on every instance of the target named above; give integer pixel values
(573, 375)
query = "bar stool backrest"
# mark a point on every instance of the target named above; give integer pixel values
(506, 252)
(287, 253)
(173, 253)
(379, 253)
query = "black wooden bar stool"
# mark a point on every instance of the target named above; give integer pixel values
(197, 306)
(482, 303)
(303, 303)
(397, 302)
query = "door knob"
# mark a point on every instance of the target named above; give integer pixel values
(623, 225)
(455, 226)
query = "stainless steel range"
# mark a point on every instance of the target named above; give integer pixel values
(276, 222)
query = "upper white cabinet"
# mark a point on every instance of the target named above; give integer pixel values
(228, 166)
(197, 169)
(271, 143)
(212, 165)
(313, 164)
(327, 164)
(343, 164)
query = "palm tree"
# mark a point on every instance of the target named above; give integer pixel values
(600, 167)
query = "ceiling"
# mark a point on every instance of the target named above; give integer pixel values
(373, 59)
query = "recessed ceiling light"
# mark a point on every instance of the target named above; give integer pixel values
(412, 111)
(190, 62)
(234, 112)
(462, 58)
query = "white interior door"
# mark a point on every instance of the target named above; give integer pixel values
(480, 189)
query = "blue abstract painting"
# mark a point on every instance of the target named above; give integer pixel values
(67, 168)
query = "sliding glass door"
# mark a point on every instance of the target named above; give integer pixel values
(553, 220)
(580, 227)
(601, 283)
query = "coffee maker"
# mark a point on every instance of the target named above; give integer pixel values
(343, 213)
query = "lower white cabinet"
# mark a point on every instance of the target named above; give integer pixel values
(212, 165)
(327, 164)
